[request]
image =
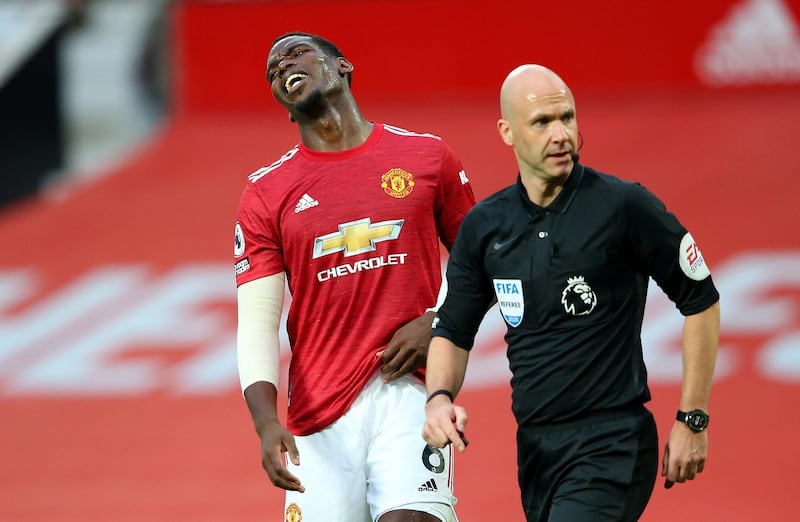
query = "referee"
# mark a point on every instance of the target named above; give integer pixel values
(567, 253)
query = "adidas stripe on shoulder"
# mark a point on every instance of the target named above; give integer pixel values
(403, 132)
(263, 171)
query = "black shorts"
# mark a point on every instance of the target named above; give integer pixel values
(601, 468)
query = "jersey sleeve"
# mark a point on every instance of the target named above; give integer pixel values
(667, 252)
(454, 197)
(469, 291)
(256, 249)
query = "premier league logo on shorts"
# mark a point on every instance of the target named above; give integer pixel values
(578, 297)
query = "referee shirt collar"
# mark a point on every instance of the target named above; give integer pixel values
(564, 198)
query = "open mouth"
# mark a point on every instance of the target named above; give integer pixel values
(293, 81)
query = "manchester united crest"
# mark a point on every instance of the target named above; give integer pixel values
(293, 513)
(397, 183)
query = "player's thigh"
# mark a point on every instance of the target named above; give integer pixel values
(331, 470)
(424, 512)
(403, 472)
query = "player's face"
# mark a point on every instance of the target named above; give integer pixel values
(301, 74)
(544, 134)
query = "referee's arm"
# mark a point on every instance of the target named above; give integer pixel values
(700, 344)
(446, 367)
(686, 452)
(444, 374)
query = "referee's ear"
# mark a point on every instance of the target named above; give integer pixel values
(504, 128)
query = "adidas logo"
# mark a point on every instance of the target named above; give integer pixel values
(305, 203)
(758, 43)
(428, 486)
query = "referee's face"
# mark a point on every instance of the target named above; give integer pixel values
(543, 130)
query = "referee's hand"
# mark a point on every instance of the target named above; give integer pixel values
(445, 423)
(684, 455)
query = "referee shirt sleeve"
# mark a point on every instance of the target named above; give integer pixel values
(469, 292)
(657, 238)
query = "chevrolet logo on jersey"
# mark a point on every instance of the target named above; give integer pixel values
(357, 237)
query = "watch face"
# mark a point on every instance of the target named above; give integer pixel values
(697, 420)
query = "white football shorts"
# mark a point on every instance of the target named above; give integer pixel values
(373, 460)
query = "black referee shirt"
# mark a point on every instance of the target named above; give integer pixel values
(571, 282)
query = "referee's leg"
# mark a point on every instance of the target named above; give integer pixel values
(612, 484)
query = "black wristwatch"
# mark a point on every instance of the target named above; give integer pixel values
(697, 420)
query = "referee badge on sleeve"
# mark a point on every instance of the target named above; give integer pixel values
(510, 299)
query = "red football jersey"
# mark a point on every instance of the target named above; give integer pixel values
(357, 233)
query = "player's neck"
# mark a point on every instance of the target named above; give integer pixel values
(337, 129)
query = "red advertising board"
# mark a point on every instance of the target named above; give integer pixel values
(427, 49)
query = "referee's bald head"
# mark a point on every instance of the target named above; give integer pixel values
(530, 83)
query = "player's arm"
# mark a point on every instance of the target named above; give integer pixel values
(445, 422)
(686, 451)
(454, 197)
(258, 352)
(408, 348)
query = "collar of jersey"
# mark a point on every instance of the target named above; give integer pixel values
(564, 198)
(372, 139)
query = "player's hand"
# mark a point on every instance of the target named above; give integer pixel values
(684, 455)
(275, 441)
(445, 423)
(408, 348)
